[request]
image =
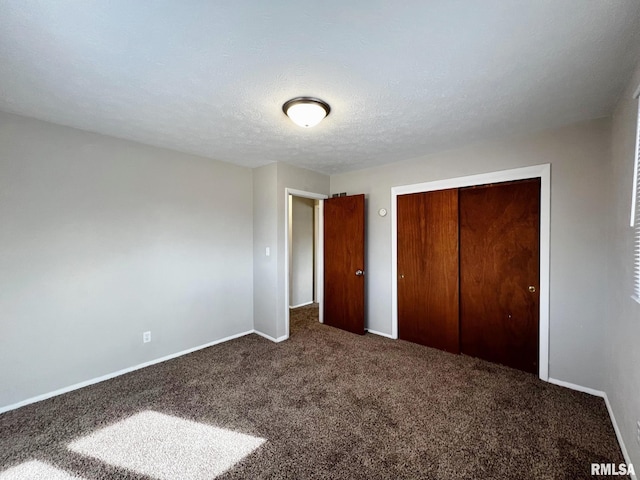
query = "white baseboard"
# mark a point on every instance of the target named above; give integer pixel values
(623, 447)
(108, 376)
(269, 337)
(579, 388)
(301, 305)
(375, 332)
(599, 393)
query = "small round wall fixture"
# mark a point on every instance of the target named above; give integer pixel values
(306, 111)
(382, 212)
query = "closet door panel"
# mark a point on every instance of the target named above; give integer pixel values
(428, 269)
(499, 273)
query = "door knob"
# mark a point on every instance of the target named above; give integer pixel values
(359, 273)
(401, 276)
(532, 289)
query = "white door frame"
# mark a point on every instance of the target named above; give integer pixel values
(537, 171)
(319, 250)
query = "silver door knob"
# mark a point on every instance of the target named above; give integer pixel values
(359, 273)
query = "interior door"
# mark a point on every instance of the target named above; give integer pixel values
(499, 272)
(344, 263)
(428, 269)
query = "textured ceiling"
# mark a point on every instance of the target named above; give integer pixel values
(403, 78)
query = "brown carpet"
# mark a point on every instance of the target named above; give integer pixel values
(330, 404)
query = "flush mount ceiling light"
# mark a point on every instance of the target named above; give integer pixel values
(306, 111)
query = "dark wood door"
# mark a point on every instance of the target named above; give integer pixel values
(344, 263)
(428, 269)
(499, 272)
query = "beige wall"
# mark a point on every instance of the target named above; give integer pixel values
(265, 235)
(306, 181)
(622, 320)
(270, 229)
(578, 155)
(102, 239)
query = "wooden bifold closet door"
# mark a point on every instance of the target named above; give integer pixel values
(468, 271)
(499, 273)
(428, 269)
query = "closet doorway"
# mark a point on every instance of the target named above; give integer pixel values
(471, 266)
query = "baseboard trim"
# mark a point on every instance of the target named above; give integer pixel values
(375, 332)
(599, 393)
(108, 376)
(301, 305)
(579, 388)
(623, 447)
(269, 337)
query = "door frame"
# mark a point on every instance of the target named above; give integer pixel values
(319, 251)
(543, 172)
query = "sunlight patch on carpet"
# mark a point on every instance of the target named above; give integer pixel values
(166, 447)
(35, 470)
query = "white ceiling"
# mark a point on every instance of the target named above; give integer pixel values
(403, 78)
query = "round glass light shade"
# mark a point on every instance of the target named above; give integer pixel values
(306, 112)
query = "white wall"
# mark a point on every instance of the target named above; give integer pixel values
(301, 225)
(622, 320)
(102, 239)
(579, 204)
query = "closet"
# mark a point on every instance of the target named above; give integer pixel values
(468, 271)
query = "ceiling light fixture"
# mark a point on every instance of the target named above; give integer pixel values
(306, 111)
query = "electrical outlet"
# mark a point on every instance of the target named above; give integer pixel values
(146, 337)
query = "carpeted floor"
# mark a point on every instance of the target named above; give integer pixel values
(324, 404)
